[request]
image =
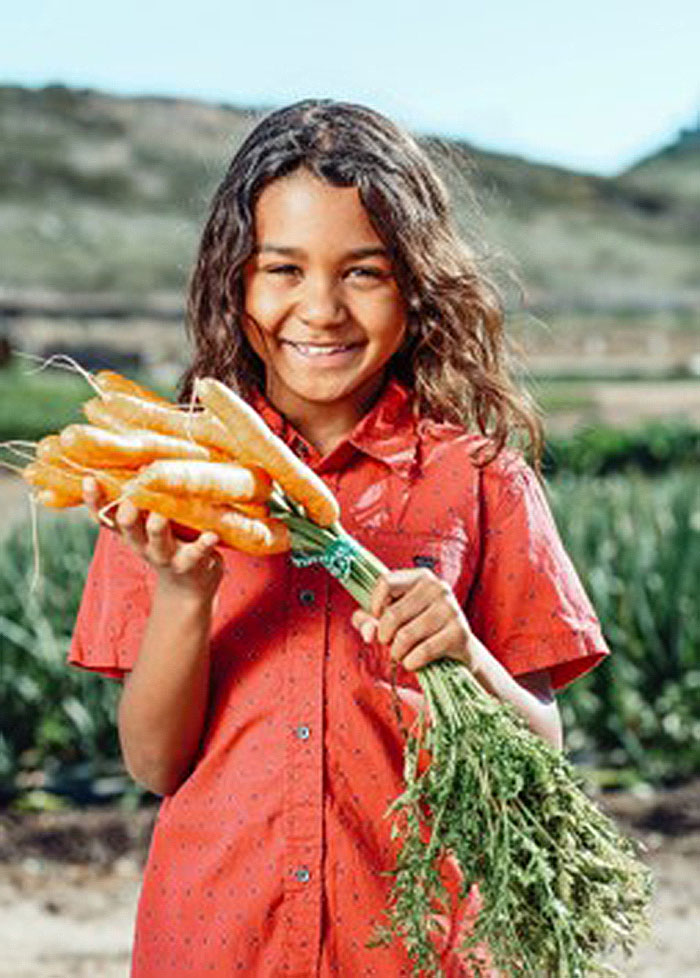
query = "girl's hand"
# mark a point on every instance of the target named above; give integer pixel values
(194, 567)
(418, 616)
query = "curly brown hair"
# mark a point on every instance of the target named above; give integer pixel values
(456, 356)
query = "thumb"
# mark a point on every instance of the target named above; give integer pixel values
(365, 623)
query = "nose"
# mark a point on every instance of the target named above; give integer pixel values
(320, 303)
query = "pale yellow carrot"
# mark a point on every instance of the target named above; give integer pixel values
(168, 419)
(92, 446)
(223, 482)
(97, 412)
(252, 536)
(251, 441)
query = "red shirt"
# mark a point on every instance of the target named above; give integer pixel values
(269, 859)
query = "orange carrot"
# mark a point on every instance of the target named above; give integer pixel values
(94, 446)
(67, 482)
(222, 482)
(44, 475)
(253, 536)
(109, 381)
(168, 419)
(49, 449)
(251, 441)
(53, 499)
(257, 511)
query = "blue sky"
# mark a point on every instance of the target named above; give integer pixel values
(591, 85)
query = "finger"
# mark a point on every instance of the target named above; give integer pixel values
(395, 583)
(92, 497)
(417, 629)
(423, 594)
(130, 523)
(436, 646)
(380, 596)
(200, 551)
(161, 545)
(365, 624)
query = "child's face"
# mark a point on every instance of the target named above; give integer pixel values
(324, 308)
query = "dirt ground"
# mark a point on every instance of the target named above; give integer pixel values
(69, 884)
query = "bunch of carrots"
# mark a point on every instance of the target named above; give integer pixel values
(206, 468)
(560, 885)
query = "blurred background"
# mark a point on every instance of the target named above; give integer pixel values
(571, 144)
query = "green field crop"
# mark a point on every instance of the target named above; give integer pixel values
(636, 544)
(52, 719)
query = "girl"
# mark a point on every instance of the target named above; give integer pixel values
(333, 292)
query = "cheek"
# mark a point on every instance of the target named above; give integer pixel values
(391, 328)
(263, 305)
(256, 338)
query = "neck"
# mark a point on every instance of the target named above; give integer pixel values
(325, 425)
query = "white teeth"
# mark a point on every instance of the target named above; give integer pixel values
(309, 349)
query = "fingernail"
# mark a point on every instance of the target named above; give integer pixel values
(367, 631)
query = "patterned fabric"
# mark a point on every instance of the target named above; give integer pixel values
(270, 859)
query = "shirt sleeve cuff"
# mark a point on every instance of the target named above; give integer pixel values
(565, 655)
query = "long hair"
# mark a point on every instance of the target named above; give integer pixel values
(455, 356)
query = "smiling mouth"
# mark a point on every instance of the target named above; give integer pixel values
(321, 349)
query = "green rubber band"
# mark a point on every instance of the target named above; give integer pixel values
(336, 558)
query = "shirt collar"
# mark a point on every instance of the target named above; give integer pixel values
(388, 432)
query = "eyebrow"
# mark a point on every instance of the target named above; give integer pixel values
(371, 251)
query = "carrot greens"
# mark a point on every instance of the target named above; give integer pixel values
(560, 885)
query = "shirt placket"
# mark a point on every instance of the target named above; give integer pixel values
(303, 774)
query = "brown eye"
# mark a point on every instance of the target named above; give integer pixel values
(367, 272)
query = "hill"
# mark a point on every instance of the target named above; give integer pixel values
(100, 194)
(671, 173)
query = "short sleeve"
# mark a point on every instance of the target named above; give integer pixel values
(527, 604)
(114, 608)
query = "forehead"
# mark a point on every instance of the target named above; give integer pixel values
(301, 208)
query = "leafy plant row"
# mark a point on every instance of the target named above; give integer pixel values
(636, 544)
(652, 447)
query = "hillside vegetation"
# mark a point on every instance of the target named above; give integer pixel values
(107, 194)
(671, 176)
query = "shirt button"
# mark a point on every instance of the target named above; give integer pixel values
(302, 874)
(303, 732)
(307, 597)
